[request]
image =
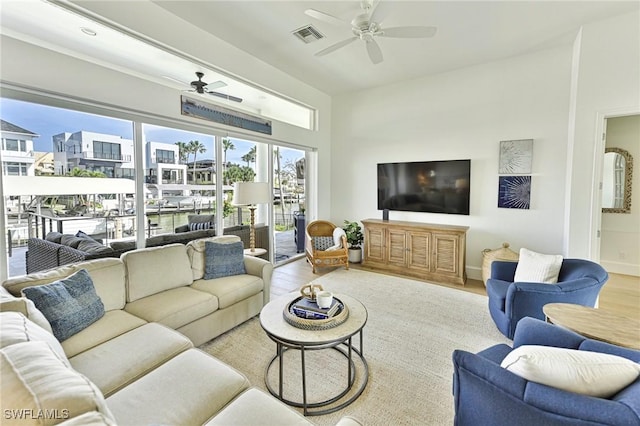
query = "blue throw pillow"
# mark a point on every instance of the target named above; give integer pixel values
(322, 243)
(223, 260)
(70, 305)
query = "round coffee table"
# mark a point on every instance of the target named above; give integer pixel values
(338, 338)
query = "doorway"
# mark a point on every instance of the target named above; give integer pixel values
(619, 247)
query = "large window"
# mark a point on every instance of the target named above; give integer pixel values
(106, 150)
(183, 178)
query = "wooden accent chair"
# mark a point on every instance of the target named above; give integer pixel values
(315, 247)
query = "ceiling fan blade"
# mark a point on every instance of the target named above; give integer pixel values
(225, 96)
(215, 85)
(409, 32)
(336, 46)
(375, 54)
(379, 11)
(325, 17)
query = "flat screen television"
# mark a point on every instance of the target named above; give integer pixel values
(425, 186)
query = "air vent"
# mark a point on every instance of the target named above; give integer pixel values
(308, 34)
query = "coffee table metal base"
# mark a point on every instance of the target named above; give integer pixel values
(345, 348)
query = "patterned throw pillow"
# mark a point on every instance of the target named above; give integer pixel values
(322, 243)
(70, 305)
(223, 259)
(198, 226)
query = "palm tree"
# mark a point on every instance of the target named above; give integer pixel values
(195, 148)
(183, 152)
(250, 157)
(226, 145)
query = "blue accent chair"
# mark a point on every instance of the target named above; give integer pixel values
(487, 394)
(579, 282)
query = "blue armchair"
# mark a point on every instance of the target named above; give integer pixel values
(579, 282)
(487, 394)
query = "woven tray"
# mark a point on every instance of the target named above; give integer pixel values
(315, 324)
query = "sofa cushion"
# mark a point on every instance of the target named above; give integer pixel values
(108, 277)
(124, 359)
(54, 237)
(93, 247)
(26, 308)
(112, 324)
(16, 328)
(152, 270)
(223, 260)
(70, 305)
(196, 250)
(52, 387)
(188, 389)
(231, 290)
(92, 418)
(265, 410)
(590, 373)
(537, 268)
(123, 245)
(174, 308)
(71, 240)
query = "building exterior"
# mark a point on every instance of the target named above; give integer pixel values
(95, 152)
(17, 150)
(163, 164)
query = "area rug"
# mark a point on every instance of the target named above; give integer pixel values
(412, 329)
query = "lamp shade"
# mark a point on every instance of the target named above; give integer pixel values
(250, 193)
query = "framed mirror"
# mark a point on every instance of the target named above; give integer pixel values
(616, 181)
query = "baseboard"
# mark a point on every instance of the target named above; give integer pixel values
(621, 268)
(474, 273)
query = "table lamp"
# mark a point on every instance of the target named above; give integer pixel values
(250, 194)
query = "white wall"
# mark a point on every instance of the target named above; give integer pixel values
(608, 81)
(620, 241)
(459, 115)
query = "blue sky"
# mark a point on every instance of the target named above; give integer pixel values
(48, 121)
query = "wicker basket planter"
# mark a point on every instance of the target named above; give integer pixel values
(488, 256)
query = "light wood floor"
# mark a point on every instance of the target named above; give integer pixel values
(620, 294)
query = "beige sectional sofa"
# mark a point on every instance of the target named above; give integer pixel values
(137, 364)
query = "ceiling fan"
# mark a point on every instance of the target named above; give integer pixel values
(366, 27)
(201, 87)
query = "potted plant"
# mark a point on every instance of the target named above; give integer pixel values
(354, 239)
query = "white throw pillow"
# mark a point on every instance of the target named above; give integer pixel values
(338, 233)
(538, 268)
(588, 373)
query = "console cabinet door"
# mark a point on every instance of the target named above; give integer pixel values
(397, 246)
(419, 254)
(374, 240)
(445, 254)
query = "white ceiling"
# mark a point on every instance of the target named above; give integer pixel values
(469, 32)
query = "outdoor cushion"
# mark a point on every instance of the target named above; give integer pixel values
(70, 305)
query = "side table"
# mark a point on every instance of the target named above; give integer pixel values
(338, 338)
(593, 323)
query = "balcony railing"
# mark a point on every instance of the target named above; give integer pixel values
(103, 156)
